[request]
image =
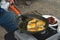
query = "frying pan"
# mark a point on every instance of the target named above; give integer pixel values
(23, 27)
(23, 24)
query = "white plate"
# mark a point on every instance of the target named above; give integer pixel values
(56, 19)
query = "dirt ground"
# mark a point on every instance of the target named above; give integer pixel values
(51, 7)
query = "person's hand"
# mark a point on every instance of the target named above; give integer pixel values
(10, 1)
(4, 5)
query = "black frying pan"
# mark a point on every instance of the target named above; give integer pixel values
(23, 24)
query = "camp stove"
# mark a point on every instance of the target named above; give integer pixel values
(51, 33)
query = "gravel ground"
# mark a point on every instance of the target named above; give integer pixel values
(51, 7)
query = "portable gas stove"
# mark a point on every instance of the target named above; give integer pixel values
(51, 33)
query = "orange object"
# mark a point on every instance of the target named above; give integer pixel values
(14, 9)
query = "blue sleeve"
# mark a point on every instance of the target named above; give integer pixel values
(8, 20)
(2, 10)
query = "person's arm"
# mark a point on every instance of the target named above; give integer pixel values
(2, 10)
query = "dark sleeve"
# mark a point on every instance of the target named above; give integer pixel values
(2, 10)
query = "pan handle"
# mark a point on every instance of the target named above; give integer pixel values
(15, 10)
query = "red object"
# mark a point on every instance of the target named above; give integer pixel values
(14, 9)
(51, 20)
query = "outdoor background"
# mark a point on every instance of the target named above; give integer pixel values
(51, 7)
